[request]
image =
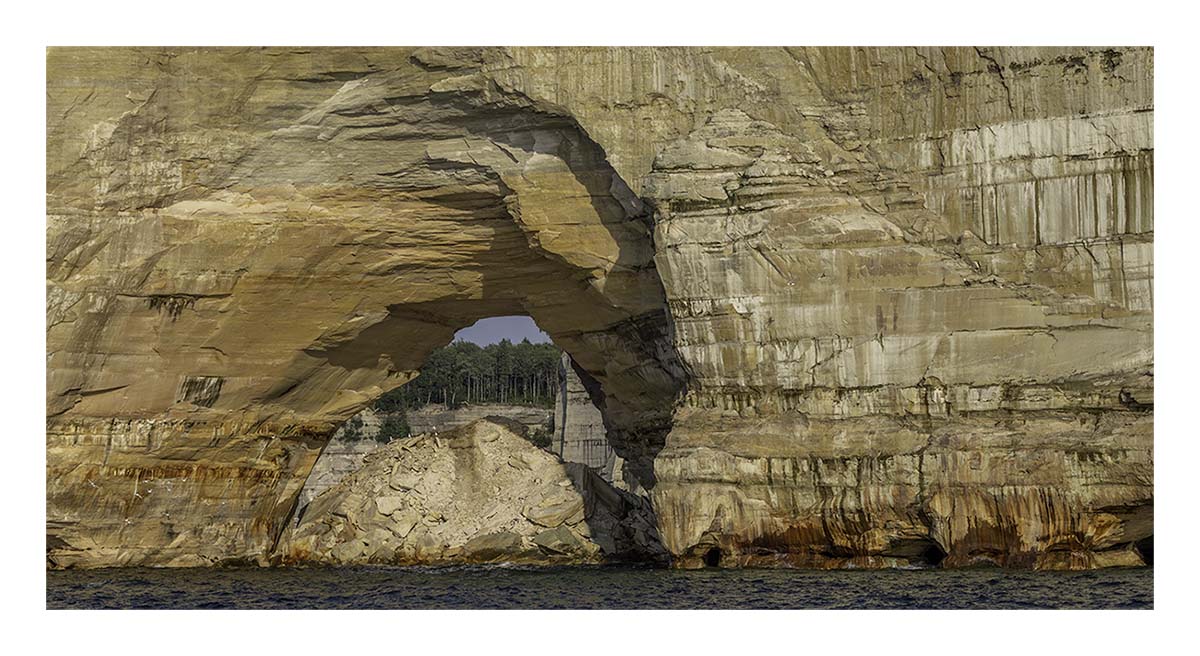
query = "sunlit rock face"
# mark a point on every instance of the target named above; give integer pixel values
(919, 322)
(362, 435)
(841, 307)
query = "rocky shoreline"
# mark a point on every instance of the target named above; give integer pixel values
(481, 493)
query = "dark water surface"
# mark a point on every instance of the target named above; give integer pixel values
(595, 587)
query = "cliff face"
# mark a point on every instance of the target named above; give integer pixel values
(921, 328)
(837, 306)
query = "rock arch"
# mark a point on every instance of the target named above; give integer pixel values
(895, 334)
(203, 346)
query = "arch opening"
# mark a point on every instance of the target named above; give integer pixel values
(504, 369)
(458, 484)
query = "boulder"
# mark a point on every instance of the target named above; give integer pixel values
(403, 479)
(555, 511)
(477, 508)
(560, 540)
(493, 546)
(388, 505)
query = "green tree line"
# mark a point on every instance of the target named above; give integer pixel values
(464, 372)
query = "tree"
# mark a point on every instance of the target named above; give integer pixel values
(504, 369)
(394, 426)
(523, 374)
(462, 372)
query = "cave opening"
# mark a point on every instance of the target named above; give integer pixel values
(1145, 548)
(712, 557)
(931, 555)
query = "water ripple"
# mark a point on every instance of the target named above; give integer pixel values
(594, 587)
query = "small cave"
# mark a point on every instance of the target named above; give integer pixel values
(923, 552)
(712, 557)
(931, 555)
(1145, 549)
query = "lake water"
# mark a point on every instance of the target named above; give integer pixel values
(595, 587)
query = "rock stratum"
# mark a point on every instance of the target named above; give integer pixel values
(837, 306)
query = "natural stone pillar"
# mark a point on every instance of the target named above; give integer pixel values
(579, 432)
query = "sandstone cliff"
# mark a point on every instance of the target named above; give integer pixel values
(837, 306)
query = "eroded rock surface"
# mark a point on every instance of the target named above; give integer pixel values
(478, 494)
(840, 306)
(579, 434)
(921, 326)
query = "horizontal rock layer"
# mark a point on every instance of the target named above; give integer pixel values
(981, 489)
(435, 418)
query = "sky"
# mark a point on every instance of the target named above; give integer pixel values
(494, 329)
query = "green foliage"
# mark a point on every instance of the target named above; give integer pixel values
(463, 372)
(352, 429)
(394, 426)
(540, 437)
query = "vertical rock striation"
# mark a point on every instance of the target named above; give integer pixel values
(913, 340)
(579, 433)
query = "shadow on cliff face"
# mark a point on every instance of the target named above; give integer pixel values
(630, 368)
(1145, 549)
(637, 406)
(634, 535)
(621, 522)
